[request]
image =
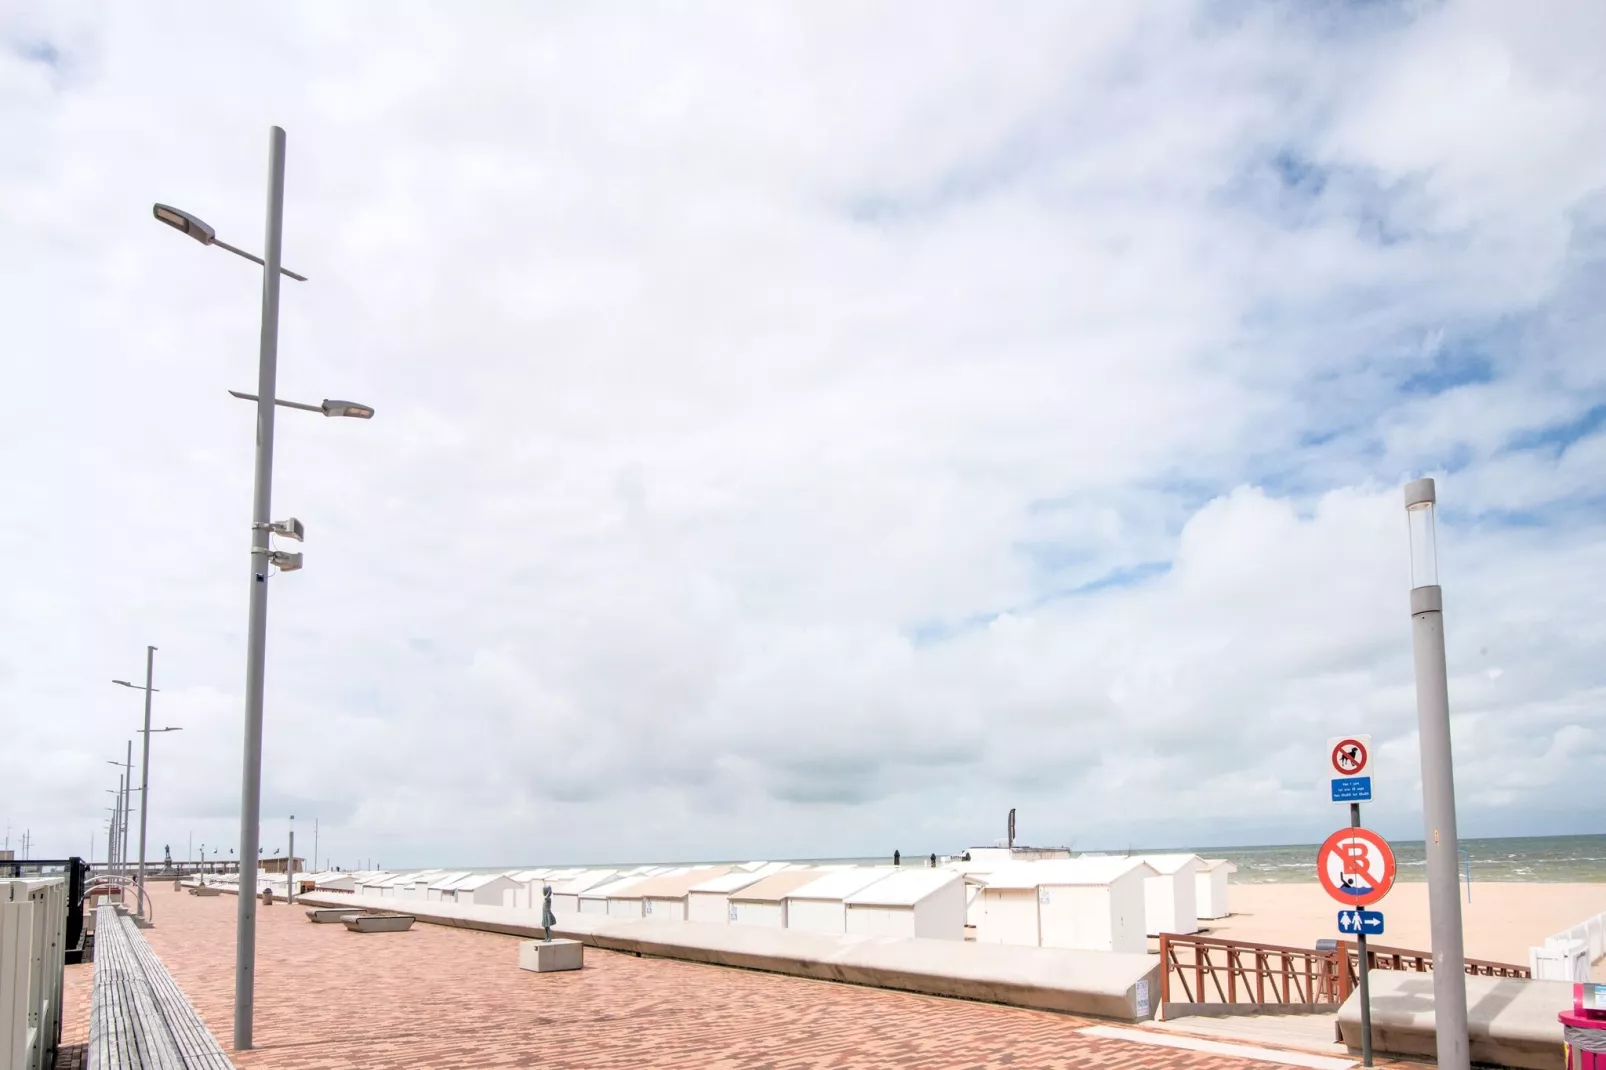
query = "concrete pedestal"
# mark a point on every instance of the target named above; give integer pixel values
(540, 956)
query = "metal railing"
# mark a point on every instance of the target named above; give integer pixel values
(1197, 970)
(108, 881)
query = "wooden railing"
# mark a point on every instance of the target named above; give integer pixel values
(1203, 969)
(1399, 958)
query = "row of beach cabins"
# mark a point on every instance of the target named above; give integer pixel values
(998, 896)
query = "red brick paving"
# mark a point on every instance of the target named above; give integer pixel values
(454, 998)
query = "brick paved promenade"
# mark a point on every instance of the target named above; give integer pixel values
(437, 997)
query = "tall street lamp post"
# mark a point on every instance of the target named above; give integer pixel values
(145, 767)
(1438, 780)
(263, 557)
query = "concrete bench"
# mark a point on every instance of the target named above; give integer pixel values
(378, 922)
(138, 1017)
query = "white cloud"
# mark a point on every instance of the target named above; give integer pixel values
(804, 434)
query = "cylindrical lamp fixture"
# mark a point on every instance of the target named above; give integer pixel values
(1419, 502)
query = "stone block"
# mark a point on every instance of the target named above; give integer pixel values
(540, 956)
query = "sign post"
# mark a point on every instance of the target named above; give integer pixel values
(1356, 865)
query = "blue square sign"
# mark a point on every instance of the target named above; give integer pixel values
(1360, 922)
(1347, 789)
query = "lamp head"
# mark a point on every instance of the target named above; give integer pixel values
(184, 223)
(354, 409)
(286, 562)
(290, 529)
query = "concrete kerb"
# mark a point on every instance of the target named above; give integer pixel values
(1093, 983)
(1511, 1021)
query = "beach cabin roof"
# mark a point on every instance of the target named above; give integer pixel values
(1171, 863)
(902, 889)
(584, 882)
(675, 885)
(566, 873)
(443, 881)
(475, 881)
(522, 875)
(775, 887)
(726, 883)
(1209, 865)
(841, 883)
(614, 889)
(1068, 871)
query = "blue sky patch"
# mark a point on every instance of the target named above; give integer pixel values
(1556, 438)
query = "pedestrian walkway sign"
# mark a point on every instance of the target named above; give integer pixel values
(1360, 922)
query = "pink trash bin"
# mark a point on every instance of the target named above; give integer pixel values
(1583, 1028)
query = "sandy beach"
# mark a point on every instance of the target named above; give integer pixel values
(1503, 920)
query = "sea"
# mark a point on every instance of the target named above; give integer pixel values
(1539, 859)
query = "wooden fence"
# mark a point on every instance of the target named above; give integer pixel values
(1202, 973)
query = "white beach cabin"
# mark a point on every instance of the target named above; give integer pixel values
(597, 900)
(764, 902)
(1170, 897)
(663, 898)
(482, 889)
(926, 903)
(708, 901)
(410, 885)
(519, 895)
(435, 890)
(1210, 888)
(1087, 904)
(566, 894)
(818, 906)
(416, 886)
(335, 882)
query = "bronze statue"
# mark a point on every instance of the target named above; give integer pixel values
(547, 918)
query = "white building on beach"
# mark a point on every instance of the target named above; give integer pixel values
(708, 901)
(1089, 904)
(1170, 896)
(927, 903)
(481, 889)
(764, 903)
(1210, 888)
(664, 897)
(566, 894)
(818, 905)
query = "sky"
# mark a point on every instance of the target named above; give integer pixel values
(804, 430)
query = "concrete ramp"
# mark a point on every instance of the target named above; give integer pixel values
(1511, 1021)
